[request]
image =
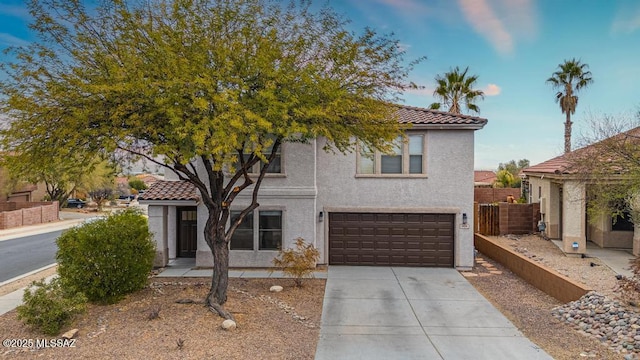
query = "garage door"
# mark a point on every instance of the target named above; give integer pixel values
(391, 239)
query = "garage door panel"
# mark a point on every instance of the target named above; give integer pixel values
(391, 239)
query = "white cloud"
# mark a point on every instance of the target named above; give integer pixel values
(500, 22)
(491, 90)
(627, 20)
(422, 91)
(406, 6)
(16, 11)
(10, 40)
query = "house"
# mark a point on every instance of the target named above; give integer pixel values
(412, 207)
(484, 178)
(20, 191)
(562, 190)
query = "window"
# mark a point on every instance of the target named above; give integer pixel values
(262, 232)
(406, 157)
(392, 163)
(275, 167)
(622, 222)
(242, 238)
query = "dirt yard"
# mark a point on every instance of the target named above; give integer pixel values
(271, 325)
(530, 309)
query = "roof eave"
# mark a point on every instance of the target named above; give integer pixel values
(161, 202)
(447, 126)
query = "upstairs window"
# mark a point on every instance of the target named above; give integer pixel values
(405, 158)
(275, 167)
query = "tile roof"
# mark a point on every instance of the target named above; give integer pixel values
(416, 115)
(171, 190)
(563, 164)
(557, 165)
(484, 176)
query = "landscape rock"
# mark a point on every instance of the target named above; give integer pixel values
(275, 288)
(605, 319)
(70, 334)
(229, 324)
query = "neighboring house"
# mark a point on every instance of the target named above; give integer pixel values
(20, 192)
(562, 193)
(413, 207)
(484, 178)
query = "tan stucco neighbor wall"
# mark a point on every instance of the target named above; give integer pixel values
(574, 219)
(601, 234)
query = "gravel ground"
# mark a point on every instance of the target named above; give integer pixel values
(271, 325)
(531, 310)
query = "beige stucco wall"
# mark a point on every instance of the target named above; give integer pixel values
(447, 188)
(601, 234)
(574, 219)
(316, 181)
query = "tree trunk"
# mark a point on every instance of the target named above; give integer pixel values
(217, 295)
(567, 134)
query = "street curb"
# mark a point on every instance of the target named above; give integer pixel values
(19, 277)
(18, 232)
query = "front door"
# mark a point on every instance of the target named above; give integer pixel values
(187, 231)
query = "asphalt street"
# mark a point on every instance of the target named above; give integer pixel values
(22, 255)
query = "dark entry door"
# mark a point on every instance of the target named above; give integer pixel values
(187, 231)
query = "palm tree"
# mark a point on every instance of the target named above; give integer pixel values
(455, 87)
(571, 76)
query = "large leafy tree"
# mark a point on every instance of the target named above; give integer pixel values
(609, 165)
(569, 79)
(192, 85)
(456, 88)
(509, 173)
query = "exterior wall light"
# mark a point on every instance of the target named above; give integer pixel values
(321, 216)
(464, 219)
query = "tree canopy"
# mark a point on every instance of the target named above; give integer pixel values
(609, 165)
(205, 80)
(455, 88)
(571, 77)
(508, 174)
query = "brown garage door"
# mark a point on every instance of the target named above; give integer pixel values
(391, 239)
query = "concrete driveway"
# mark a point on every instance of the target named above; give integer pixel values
(413, 313)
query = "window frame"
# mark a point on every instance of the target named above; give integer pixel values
(255, 169)
(622, 222)
(406, 158)
(256, 227)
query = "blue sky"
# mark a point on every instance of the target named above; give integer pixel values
(512, 45)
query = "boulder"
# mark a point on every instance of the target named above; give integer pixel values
(70, 334)
(275, 288)
(229, 324)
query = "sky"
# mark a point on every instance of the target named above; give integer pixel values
(513, 46)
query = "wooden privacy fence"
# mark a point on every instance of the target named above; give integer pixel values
(487, 219)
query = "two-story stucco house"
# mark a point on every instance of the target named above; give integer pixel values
(413, 207)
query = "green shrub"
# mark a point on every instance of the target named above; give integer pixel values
(299, 262)
(49, 307)
(107, 258)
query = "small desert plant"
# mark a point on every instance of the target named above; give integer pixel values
(629, 287)
(154, 313)
(107, 258)
(299, 262)
(48, 307)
